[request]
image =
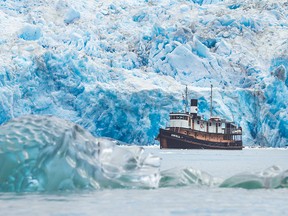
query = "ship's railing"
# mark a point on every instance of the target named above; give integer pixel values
(227, 132)
(236, 132)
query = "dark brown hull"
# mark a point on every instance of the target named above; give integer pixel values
(173, 140)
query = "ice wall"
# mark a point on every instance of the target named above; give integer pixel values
(119, 68)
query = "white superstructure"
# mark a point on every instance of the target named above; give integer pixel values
(190, 120)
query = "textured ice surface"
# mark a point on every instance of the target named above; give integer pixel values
(45, 153)
(117, 68)
(272, 177)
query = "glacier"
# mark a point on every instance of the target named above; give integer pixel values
(117, 68)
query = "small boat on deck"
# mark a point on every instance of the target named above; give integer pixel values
(188, 130)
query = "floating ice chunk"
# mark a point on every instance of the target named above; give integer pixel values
(272, 177)
(45, 153)
(176, 177)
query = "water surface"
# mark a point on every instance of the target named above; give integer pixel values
(193, 199)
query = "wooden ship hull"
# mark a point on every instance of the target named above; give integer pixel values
(178, 140)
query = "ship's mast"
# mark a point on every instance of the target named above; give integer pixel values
(211, 102)
(186, 98)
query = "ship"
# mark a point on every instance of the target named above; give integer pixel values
(188, 130)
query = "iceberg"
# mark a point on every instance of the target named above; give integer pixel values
(45, 153)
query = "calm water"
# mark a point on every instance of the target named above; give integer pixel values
(188, 200)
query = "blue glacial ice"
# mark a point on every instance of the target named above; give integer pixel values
(30, 32)
(118, 68)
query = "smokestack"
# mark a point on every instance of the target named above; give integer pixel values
(194, 107)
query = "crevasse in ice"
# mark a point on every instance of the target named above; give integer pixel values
(117, 68)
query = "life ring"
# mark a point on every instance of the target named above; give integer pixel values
(201, 125)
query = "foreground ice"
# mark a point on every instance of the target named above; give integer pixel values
(45, 153)
(272, 177)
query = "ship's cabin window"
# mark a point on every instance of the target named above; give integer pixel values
(179, 117)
